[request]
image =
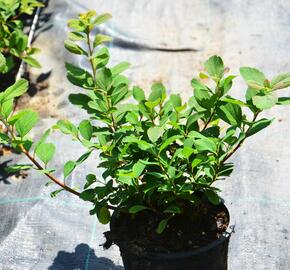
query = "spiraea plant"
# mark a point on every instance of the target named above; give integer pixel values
(157, 153)
(13, 41)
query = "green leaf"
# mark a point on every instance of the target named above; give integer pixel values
(18, 167)
(79, 76)
(265, 101)
(101, 58)
(26, 122)
(280, 81)
(6, 108)
(138, 93)
(116, 70)
(76, 25)
(205, 144)
(230, 113)
(173, 210)
(16, 90)
(212, 197)
(68, 168)
(42, 139)
(162, 225)
(88, 195)
(229, 99)
(176, 100)
(258, 126)
(138, 168)
(4, 138)
(90, 179)
(54, 193)
(45, 152)
(137, 208)
(74, 48)
(226, 84)
(104, 79)
(99, 39)
(158, 91)
(66, 127)
(215, 67)
(31, 61)
(76, 36)
(104, 215)
(253, 77)
(2, 62)
(283, 101)
(202, 94)
(154, 133)
(86, 129)
(169, 141)
(102, 18)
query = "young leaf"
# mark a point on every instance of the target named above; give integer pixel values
(74, 48)
(280, 81)
(6, 108)
(102, 18)
(18, 167)
(66, 127)
(116, 70)
(99, 39)
(86, 129)
(79, 77)
(202, 94)
(138, 168)
(138, 93)
(26, 122)
(68, 168)
(2, 62)
(253, 77)
(31, 61)
(45, 152)
(158, 91)
(154, 133)
(265, 101)
(215, 67)
(16, 90)
(176, 100)
(258, 126)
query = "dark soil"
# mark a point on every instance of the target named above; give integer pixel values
(197, 228)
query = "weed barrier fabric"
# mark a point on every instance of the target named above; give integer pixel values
(168, 41)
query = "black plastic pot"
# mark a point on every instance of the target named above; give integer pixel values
(210, 257)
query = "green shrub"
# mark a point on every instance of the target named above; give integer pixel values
(158, 153)
(13, 41)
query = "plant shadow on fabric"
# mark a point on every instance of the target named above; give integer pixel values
(83, 258)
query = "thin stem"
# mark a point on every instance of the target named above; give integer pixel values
(90, 56)
(114, 126)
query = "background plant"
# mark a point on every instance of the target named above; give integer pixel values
(13, 41)
(158, 153)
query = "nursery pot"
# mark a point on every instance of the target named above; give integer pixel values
(213, 256)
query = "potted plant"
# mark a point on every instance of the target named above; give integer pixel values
(14, 45)
(160, 156)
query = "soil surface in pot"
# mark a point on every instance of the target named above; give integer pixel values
(199, 227)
